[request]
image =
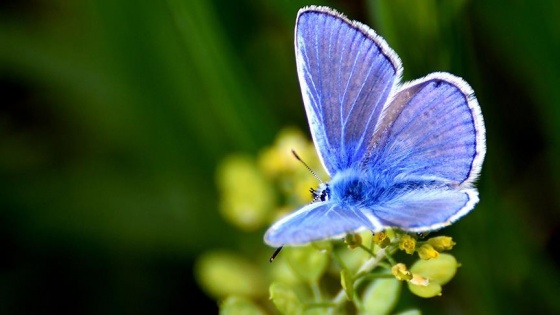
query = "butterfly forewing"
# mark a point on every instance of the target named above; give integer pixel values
(314, 221)
(346, 73)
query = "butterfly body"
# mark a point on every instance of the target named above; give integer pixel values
(368, 188)
(400, 155)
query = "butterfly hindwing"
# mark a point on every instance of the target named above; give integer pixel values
(432, 130)
(346, 73)
(425, 209)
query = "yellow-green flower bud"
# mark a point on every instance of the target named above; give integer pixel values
(239, 305)
(408, 244)
(307, 262)
(380, 296)
(441, 243)
(247, 206)
(423, 287)
(285, 299)
(276, 160)
(427, 251)
(353, 240)
(381, 239)
(401, 272)
(223, 273)
(439, 270)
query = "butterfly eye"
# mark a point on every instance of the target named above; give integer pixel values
(325, 193)
(321, 194)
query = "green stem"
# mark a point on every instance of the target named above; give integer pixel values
(338, 259)
(316, 292)
(390, 258)
(369, 251)
(385, 265)
(319, 305)
(378, 276)
(368, 266)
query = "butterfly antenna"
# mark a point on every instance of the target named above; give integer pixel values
(307, 166)
(276, 252)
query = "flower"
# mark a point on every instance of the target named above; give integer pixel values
(353, 240)
(401, 272)
(381, 239)
(408, 244)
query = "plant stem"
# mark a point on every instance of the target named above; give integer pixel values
(368, 266)
(369, 251)
(316, 291)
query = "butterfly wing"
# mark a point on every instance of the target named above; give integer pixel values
(346, 73)
(317, 221)
(425, 209)
(431, 130)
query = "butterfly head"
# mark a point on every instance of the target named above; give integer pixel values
(322, 193)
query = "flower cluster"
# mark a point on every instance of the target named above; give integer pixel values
(361, 274)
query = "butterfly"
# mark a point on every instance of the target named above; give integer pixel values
(399, 155)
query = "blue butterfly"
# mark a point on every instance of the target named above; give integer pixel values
(400, 155)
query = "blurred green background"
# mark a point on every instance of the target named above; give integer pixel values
(114, 115)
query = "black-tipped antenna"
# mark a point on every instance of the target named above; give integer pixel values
(307, 166)
(276, 252)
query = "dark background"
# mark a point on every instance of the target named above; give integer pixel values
(114, 115)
